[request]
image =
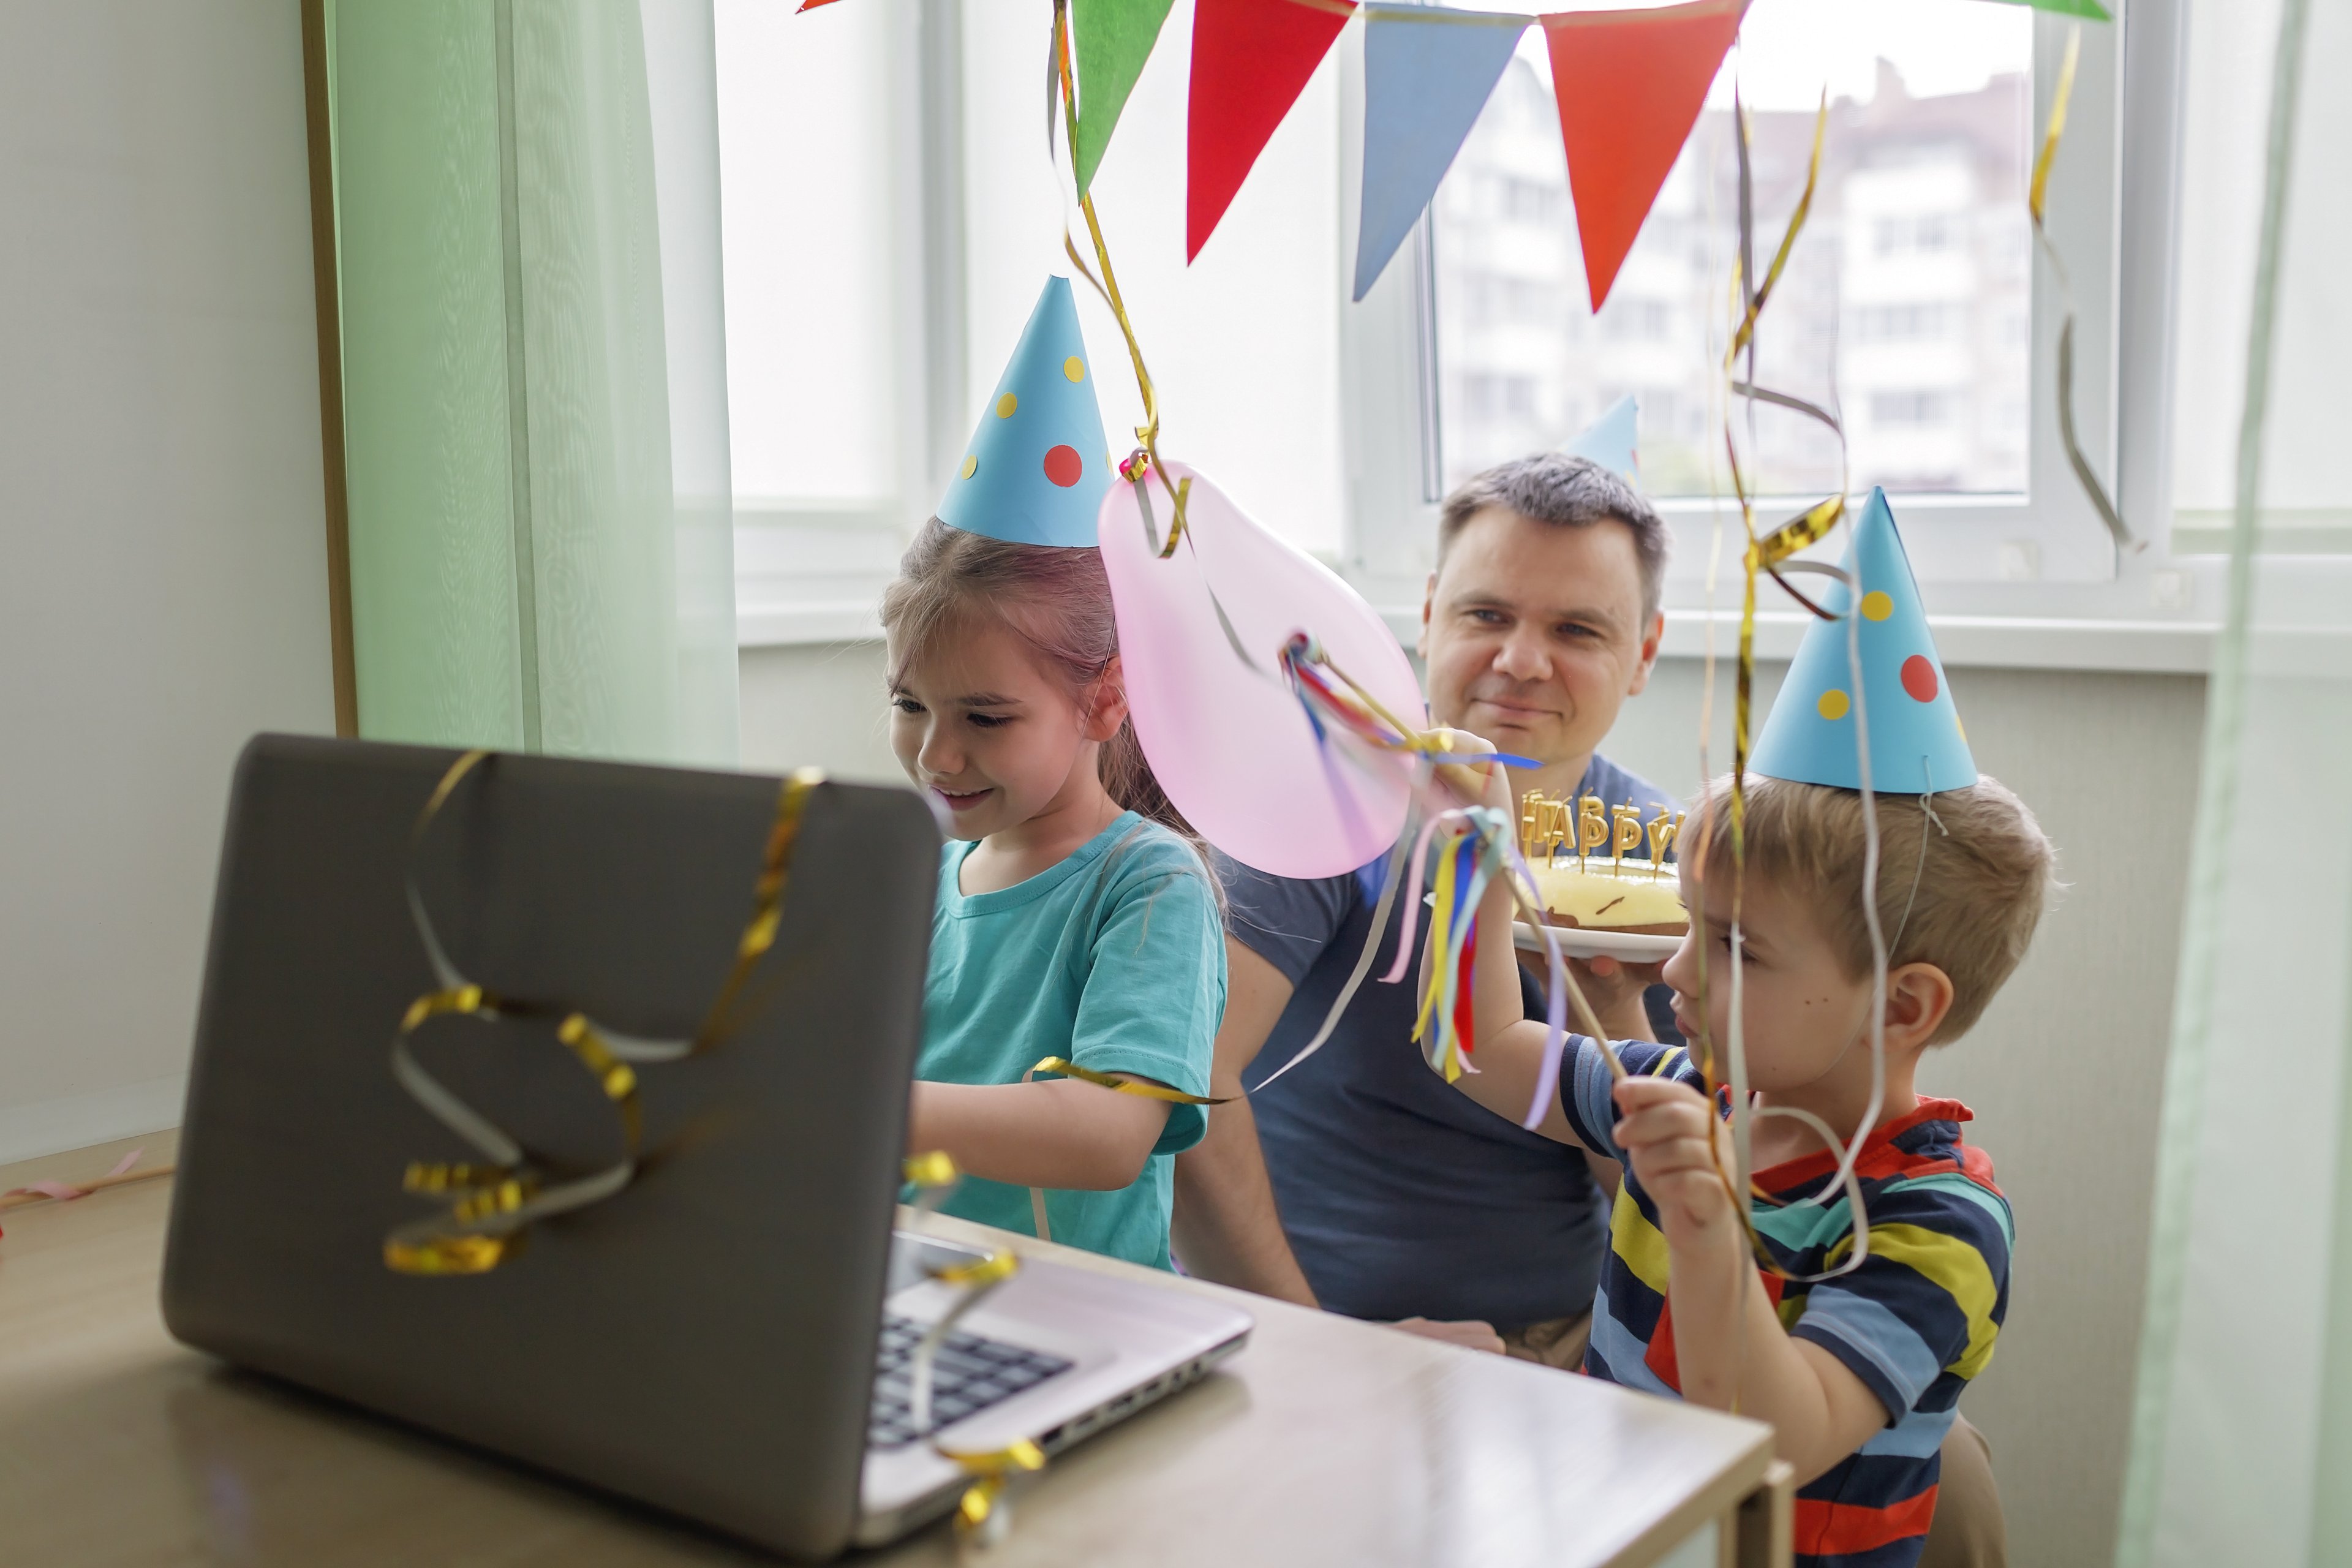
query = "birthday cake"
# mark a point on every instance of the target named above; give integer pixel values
(1611, 895)
(1613, 891)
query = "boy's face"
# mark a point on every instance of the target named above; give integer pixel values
(1804, 1012)
(987, 733)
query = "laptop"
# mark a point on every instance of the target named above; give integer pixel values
(728, 1336)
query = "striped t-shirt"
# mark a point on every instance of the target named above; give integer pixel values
(1914, 1321)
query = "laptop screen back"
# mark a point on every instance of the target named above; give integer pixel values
(703, 1340)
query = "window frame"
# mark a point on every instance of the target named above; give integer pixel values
(811, 570)
(2113, 209)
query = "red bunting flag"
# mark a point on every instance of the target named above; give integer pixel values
(1629, 84)
(1251, 59)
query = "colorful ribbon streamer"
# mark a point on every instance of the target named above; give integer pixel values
(492, 1204)
(1344, 712)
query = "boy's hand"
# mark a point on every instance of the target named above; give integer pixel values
(1666, 1129)
(1474, 783)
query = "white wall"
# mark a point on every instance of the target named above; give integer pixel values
(817, 706)
(163, 542)
(2065, 1071)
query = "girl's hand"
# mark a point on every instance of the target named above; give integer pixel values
(1666, 1132)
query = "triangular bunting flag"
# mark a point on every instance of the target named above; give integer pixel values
(1916, 745)
(1629, 84)
(1113, 39)
(1609, 440)
(1251, 59)
(1427, 73)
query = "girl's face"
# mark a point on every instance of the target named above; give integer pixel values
(992, 735)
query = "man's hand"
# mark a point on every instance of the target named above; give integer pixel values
(1667, 1130)
(1469, 1332)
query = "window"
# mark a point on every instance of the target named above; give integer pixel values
(1917, 299)
(891, 213)
(824, 335)
(1914, 302)
(1906, 241)
(2306, 497)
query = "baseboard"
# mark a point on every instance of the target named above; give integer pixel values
(79, 1120)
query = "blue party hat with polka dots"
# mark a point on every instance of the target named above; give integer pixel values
(1917, 744)
(1037, 468)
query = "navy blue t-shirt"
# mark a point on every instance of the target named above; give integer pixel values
(1401, 1196)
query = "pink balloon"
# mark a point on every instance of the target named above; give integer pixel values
(1231, 745)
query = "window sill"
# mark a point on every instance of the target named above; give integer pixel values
(806, 625)
(1982, 641)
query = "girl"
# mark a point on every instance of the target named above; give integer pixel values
(1074, 917)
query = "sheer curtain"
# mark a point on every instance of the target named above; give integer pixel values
(2242, 1436)
(534, 374)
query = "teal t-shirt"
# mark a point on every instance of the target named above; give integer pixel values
(1115, 960)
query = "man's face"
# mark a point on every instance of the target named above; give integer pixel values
(1533, 634)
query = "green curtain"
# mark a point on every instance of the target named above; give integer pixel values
(2241, 1442)
(534, 374)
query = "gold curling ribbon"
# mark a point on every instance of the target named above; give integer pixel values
(1060, 1068)
(983, 1514)
(2035, 204)
(1771, 554)
(492, 1204)
(1146, 458)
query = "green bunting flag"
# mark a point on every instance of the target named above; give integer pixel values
(2088, 8)
(1113, 37)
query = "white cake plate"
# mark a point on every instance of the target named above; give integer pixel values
(1592, 942)
(1580, 941)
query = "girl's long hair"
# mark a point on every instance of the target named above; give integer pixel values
(1057, 600)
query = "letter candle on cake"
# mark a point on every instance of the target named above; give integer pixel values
(1619, 891)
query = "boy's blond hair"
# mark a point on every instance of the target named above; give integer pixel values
(1988, 871)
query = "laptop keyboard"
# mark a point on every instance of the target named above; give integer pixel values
(968, 1374)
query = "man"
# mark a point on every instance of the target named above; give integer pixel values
(1402, 1199)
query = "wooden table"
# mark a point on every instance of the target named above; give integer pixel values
(1328, 1441)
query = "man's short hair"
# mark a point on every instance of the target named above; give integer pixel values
(1567, 492)
(1987, 873)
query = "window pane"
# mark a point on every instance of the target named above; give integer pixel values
(2306, 494)
(805, 148)
(1242, 343)
(1908, 301)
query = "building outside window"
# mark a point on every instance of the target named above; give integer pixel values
(1908, 304)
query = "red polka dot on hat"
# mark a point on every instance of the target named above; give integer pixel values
(1919, 678)
(1065, 467)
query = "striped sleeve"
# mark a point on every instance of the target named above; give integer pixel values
(1930, 1296)
(1585, 1085)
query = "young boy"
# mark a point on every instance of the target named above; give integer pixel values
(1859, 1374)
